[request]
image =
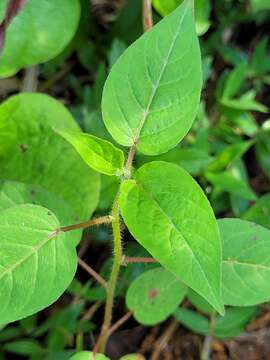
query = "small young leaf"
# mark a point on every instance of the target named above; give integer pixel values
(167, 213)
(37, 262)
(99, 154)
(88, 355)
(152, 94)
(246, 266)
(154, 295)
(39, 32)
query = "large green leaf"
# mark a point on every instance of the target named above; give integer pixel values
(154, 295)
(99, 154)
(260, 211)
(31, 152)
(15, 193)
(246, 262)
(152, 93)
(36, 263)
(39, 32)
(167, 213)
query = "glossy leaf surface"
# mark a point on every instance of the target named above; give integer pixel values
(152, 93)
(99, 154)
(167, 213)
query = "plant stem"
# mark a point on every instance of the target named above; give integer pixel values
(147, 15)
(98, 221)
(133, 260)
(163, 340)
(120, 322)
(130, 158)
(207, 345)
(93, 273)
(102, 341)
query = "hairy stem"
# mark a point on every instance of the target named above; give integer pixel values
(130, 158)
(98, 221)
(102, 341)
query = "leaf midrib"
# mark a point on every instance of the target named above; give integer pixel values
(242, 263)
(162, 71)
(151, 197)
(34, 250)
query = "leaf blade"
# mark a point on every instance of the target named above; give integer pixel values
(34, 256)
(145, 111)
(99, 154)
(156, 209)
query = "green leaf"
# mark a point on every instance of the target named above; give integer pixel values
(31, 152)
(152, 93)
(228, 182)
(260, 211)
(193, 160)
(234, 321)
(199, 302)
(154, 295)
(230, 154)
(260, 63)
(234, 81)
(15, 193)
(202, 11)
(167, 213)
(246, 266)
(88, 355)
(246, 102)
(24, 347)
(192, 320)
(231, 324)
(38, 33)
(34, 256)
(99, 154)
(260, 5)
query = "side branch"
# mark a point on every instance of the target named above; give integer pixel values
(98, 221)
(93, 273)
(133, 260)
